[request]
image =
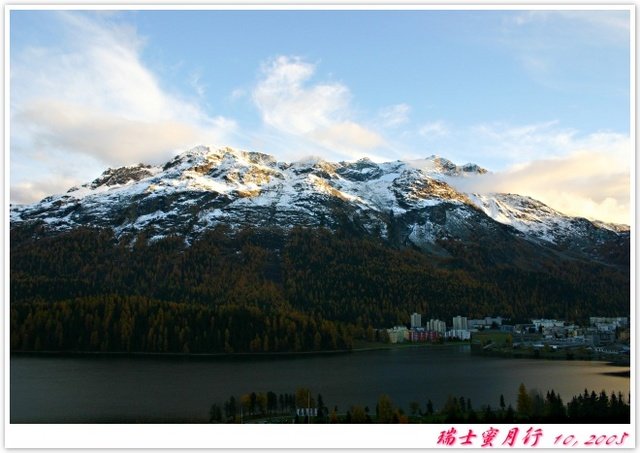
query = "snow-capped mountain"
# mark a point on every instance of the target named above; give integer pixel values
(405, 202)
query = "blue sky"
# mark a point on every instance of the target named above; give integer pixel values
(518, 92)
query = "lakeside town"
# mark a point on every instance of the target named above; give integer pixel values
(602, 336)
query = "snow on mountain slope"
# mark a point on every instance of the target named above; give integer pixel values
(440, 166)
(535, 219)
(524, 214)
(204, 187)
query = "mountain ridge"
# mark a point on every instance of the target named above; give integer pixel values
(204, 187)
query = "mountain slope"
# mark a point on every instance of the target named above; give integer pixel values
(230, 251)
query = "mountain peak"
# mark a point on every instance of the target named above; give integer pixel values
(473, 168)
(121, 176)
(439, 165)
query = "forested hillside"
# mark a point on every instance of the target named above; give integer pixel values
(266, 290)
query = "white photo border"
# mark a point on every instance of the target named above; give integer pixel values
(178, 436)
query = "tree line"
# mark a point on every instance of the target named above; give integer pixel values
(531, 407)
(138, 324)
(266, 404)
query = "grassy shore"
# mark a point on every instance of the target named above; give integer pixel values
(551, 354)
(359, 346)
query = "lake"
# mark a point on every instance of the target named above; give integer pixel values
(76, 389)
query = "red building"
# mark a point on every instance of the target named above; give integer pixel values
(423, 336)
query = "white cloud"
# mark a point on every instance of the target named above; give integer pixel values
(27, 192)
(548, 44)
(524, 143)
(590, 179)
(195, 80)
(535, 65)
(612, 24)
(578, 174)
(434, 129)
(347, 134)
(237, 93)
(111, 138)
(319, 114)
(395, 115)
(92, 95)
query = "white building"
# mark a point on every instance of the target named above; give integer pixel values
(547, 323)
(485, 323)
(460, 334)
(435, 325)
(476, 323)
(489, 321)
(416, 320)
(460, 323)
(605, 327)
(617, 322)
(398, 334)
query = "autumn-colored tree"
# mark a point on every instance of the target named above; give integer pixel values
(524, 403)
(358, 415)
(303, 398)
(385, 410)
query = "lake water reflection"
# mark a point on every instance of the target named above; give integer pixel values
(103, 389)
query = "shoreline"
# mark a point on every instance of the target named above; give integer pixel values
(273, 355)
(205, 355)
(523, 354)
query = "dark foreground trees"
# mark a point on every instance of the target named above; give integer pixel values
(532, 407)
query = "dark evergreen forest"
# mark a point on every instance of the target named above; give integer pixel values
(532, 407)
(269, 291)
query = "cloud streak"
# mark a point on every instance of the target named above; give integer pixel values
(545, 42)
(434, 129)
(612, 25)
(92, 95)
(111, 138)
(24, 192)
(593, 181)
(319, 114)
(395, 115)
